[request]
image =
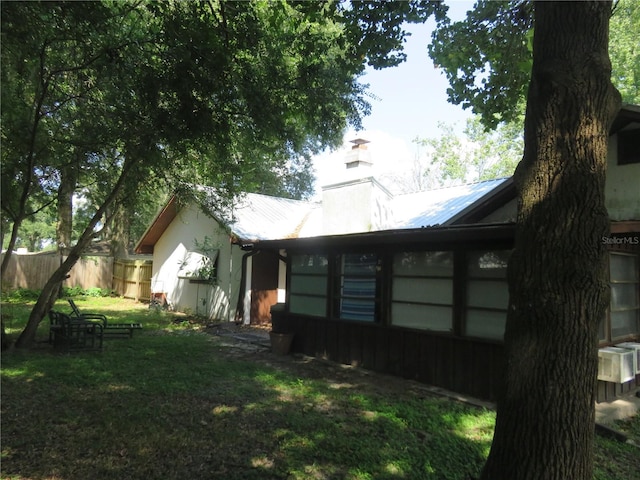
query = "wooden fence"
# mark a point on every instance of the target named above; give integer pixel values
(128, 278)
(132, 278)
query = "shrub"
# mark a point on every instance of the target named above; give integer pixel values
(72, 291)
(21, 295)
(97, 292)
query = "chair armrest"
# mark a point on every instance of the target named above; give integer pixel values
(92, 317)
(98, 328)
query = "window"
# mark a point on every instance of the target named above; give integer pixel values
(629, 146)
(487, 294)
(422, 290)
(308, 291)
(357, 286)
(198, 266)
(625, 304)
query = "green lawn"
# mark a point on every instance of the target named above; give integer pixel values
(175, 402)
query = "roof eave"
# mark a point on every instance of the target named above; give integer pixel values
(498, 232)
(157, 227)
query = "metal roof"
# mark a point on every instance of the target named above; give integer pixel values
(440, 206)
(257, 217)
(262, 217)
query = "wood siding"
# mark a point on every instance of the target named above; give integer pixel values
(463, 365)
(608, 391)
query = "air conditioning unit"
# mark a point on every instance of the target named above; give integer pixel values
(616, 364)
(636, 348)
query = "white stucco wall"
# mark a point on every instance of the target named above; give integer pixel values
(217, 302)
(622, 190)
(346, 207)
(360, 205)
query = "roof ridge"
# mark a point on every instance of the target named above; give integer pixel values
(454, 186)
(277, 197)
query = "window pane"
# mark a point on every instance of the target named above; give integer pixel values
(354, 309)
(359, 287)
(309, 284)
(623, 268)
(488, 294)
(306, 305)
(488, 264)
(434, 264)
(358, 283)
(359, 264)
(486, 324)
(624, 296)
(427, 317)
(309, 263)
(423, 290)
(624, 323)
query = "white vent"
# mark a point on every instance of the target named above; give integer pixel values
(616, 364)
(636, 348)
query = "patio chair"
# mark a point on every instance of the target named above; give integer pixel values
(110, 329)
(72, 334)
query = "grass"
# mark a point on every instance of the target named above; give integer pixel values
(174, 402)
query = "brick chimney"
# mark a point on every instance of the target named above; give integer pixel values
(358, 203)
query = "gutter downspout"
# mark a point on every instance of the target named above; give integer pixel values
(239, 317)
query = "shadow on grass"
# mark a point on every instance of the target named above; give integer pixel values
(177, 406)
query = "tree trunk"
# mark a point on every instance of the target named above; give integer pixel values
(557, 272)
(10, 247)
(50, 290)
(119, 231)
(64, 228)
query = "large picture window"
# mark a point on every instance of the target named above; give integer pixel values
(357, 283)
(487, 294)
(422, 290)
(308, 289)
(625, 304)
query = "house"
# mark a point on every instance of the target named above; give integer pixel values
(426, 299)
(412, 285)
(189, 242)
(204, 262)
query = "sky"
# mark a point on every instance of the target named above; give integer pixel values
(411, 101)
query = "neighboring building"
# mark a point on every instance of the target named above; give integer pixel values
(430, 303)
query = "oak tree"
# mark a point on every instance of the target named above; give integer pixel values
(105, 97)
(558, 53)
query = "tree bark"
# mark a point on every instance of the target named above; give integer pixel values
(64, 228)
(557, 272)
(119, 231)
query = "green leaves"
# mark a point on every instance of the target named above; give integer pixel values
(624, 49)
(110, 99)
(487, 58)
(478, 155)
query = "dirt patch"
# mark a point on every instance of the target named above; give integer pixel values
(251, 343)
